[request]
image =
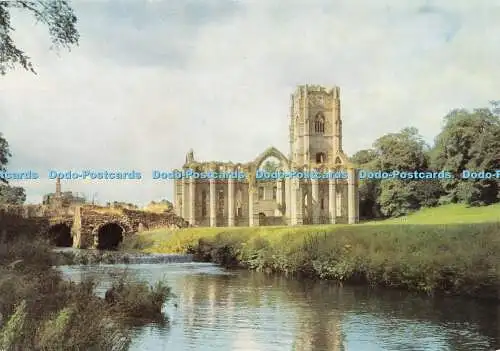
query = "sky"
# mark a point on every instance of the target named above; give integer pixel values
(152, 79)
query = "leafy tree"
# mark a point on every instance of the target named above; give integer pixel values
(169, 205)
(363, 157)
(397, 197)
(8, 194)
(57, 15)
(369, 192)
(369, 189)
(495, 107)
(13, 195)
(4, 156)
(469, 141)
(271, 166)
(403, 151)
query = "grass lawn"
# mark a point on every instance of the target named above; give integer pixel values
(176, 241)
(448, 214)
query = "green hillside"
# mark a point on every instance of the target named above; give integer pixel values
(449, 214)
(167, 240)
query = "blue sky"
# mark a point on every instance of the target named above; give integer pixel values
(152, 79)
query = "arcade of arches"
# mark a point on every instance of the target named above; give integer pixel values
(108, 236)
(244, 200)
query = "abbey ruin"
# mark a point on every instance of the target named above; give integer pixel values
(315, 145)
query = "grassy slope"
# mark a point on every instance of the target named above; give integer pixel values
(176, 241)
(451, 214)
(451, 248)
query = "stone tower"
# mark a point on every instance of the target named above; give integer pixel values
(315, 125)
(58, 188)
(57, 200)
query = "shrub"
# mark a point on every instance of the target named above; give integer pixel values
(138, 300)
(42, 311)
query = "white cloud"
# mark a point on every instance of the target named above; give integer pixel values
(147, 85)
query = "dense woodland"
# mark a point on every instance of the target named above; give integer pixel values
(469, 140)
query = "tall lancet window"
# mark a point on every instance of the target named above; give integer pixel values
(203, 204)
(319, 124)
(339, 204)
(239, 202)
(320, 157)
(220, 203)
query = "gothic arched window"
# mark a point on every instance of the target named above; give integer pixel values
(203, 204)
(261, 193)
(220, 202)
(320, 157)
(338, 202)
(319, 124)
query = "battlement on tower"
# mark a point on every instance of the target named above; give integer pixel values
(306, 89)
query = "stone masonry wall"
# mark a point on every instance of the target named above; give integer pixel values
(84, 221)
(14, 222)
(91, 221)
(150, 220)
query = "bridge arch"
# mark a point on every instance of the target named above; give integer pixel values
(60, 234)
(109, 235)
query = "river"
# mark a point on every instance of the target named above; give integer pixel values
(222, 310)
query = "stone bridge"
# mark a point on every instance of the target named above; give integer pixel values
(83, 226)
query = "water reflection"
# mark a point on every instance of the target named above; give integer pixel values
(218, 310)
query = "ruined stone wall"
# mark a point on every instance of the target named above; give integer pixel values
(31, 211)
(26, 211)
(15, 221)
(84, 221)
(151, 220)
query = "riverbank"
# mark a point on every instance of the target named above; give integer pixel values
(459, 259)
(40, 310)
